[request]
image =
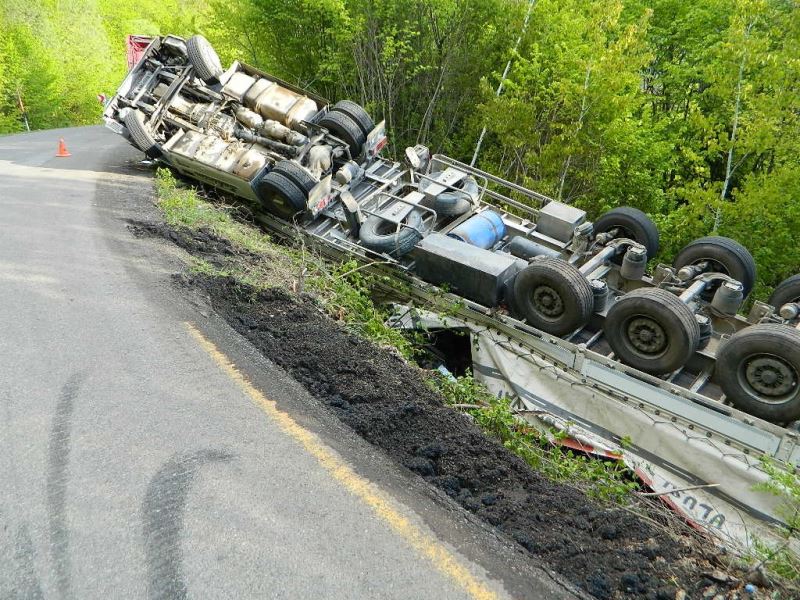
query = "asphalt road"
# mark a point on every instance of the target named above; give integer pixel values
(134, 465)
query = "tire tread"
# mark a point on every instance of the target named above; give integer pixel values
(343, 127)
(141, 137)
(295, 173)
(356, 113)
(288, 189)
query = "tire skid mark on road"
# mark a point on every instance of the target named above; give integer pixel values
(57, 476)
(163, 511)
(442, 559)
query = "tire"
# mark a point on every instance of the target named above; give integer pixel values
(758, 371)
(346, 130)
(204, 59)
(140, 133)
(451, 204)
(787, 291)
(552, 295)
(726, 255)
(651, 330)
(295, 173)
(280, 195)
(633, 224)
(357, 113)
(457, 202)
(383, 237)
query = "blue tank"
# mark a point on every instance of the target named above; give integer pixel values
(483, 230)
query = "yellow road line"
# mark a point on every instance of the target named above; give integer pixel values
(441, 558)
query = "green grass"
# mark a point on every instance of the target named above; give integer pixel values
(183, 207)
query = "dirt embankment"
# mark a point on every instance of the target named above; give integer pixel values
(609, 552)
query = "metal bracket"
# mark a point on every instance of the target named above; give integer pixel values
(396, 213)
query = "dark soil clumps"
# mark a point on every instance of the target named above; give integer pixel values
(608, 552)
(201, 242)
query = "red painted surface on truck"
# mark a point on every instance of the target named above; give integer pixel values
(135, 46)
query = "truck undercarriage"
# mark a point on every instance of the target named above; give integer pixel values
(552, 292)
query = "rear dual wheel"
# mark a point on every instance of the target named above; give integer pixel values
(356, 113)
(284, 190)
(350, 123)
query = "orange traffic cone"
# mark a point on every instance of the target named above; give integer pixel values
(62, 149)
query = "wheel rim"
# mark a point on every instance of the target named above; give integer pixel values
(645, 336)
(768, 377)
(548, 302)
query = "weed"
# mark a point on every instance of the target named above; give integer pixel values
(782, 559)
(346, 293)
(198, 266)
(345, 290)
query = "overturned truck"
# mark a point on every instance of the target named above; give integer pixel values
(547, 282)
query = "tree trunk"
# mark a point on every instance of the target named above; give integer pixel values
(730, 168)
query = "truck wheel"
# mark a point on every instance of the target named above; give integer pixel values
(347, 130)
(140, 133)
(204, 59)
(384, 237)
(280, 195)
(630, 223)
(652, 330)
(357, 113)
(758, 371)
(725, 256)
(552, 295)
(787, 291)
(295, 173)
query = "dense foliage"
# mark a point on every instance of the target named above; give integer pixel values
(688, 110)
